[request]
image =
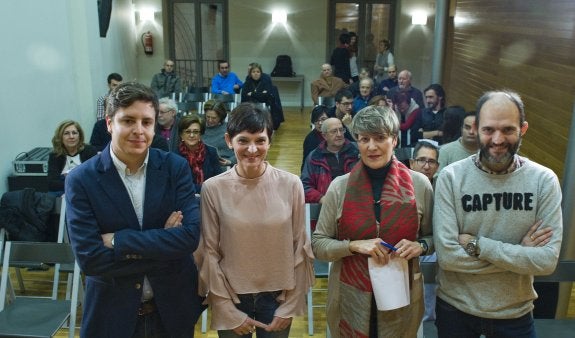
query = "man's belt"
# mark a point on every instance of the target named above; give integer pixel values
(147, 307)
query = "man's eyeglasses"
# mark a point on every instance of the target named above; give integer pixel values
(166, 111)
(334, 132)
(347, 104)
(422, 161)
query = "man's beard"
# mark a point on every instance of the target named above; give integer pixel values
(492, 161)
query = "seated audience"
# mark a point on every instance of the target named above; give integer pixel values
(425, 157)
(379, 100)
(225, 82)
(365, 94)
(432, 115)
(333, 157)
(354, 87)
(114, 79)
(216, 125)
(101, 137)
(463, 147)
(166, 83)
(452, 122)
(257, 88)
(327, 85)
(318, 115)
(404, 84)
(391, 81)
(409, 118)
(343, 109)
(203, 159)
(68, 152)
(167, 125)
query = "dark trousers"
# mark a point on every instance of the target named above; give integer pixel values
(453, 323)
(150, 325)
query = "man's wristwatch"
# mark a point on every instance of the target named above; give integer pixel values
(112, 241)
(424, 247)
(471, 247)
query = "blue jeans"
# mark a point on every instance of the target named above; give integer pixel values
(451, 322)
(261, 307)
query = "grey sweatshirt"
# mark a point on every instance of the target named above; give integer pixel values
(498, 209)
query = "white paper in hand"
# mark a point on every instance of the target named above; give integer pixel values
(390, 283)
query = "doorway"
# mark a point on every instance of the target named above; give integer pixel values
(371, 20)
(197, 39)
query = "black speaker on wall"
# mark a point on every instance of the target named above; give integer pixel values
(104, 12)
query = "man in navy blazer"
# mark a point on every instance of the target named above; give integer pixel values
(133, 221)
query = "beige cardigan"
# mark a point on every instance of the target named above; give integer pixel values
(327, 247)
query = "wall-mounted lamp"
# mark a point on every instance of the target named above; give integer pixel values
(419, 18)
(279, 16)
(146, 14)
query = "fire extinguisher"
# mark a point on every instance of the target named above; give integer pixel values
(148, 43)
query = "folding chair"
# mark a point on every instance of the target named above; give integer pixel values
(63, 238)
(23, 316)
(321, 267)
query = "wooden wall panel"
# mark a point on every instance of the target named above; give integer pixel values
(524, 45)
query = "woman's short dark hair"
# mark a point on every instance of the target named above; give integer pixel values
(58, 146)
(125, 94)
(217, 106)
(188, 120)
(318, 111)
(249, 117)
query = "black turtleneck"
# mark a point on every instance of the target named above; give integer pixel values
(377, 177)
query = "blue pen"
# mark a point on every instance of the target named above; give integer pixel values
(389, 246)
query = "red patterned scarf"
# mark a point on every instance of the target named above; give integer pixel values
(398, 220)
(196, 159)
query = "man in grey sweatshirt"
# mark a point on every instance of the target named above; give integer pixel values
(497, 223)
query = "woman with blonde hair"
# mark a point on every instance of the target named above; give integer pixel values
(69, 151)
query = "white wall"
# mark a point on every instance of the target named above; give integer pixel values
(55, 67)
(413, 45)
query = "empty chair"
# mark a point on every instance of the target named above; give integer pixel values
(24, 316)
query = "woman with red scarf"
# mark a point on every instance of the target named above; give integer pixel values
(379, 200)
(202, 158)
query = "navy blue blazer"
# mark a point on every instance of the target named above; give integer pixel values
(98, 203)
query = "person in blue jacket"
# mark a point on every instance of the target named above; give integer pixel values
(226, 82)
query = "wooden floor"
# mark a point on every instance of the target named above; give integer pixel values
(285, 153)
